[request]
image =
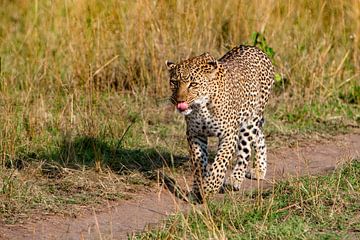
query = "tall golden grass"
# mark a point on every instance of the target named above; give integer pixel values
(49, 45)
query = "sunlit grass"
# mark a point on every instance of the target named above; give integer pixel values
(323, 207)
(83, 84)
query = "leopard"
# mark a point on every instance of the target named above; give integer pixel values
(223, 98)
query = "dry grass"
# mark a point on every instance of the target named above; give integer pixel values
(310, 207)
(83, 83)
(52, 45)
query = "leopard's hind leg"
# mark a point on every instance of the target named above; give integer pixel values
(250, 135)
(258, 171)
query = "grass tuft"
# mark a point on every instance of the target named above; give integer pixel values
(319, 207)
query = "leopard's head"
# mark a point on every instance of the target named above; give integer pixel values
(189, 81)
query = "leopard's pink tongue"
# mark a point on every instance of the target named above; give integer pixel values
(182, 106)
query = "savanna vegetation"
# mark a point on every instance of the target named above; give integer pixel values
(84, 110)
(322, 207)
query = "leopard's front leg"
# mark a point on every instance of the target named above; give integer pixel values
(216, 175)
(199, 159)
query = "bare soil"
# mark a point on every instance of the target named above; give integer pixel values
(123, 218)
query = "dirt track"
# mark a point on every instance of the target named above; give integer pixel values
(116, 222)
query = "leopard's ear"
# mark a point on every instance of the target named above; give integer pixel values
(170, 65)
(213, 64)
(208, 57)
(214, 68)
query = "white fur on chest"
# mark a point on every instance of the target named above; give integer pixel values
(195, 105)
(200, 119)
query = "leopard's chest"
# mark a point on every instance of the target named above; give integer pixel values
(203, 122)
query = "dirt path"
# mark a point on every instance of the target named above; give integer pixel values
(126, 217)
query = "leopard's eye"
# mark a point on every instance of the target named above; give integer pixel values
(193, 84)
(173, 83)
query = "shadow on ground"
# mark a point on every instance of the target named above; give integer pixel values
(84, 151)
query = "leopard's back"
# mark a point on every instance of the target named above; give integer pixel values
(250, 74)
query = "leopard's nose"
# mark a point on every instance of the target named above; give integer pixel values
(181, 94)
(180, 98)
